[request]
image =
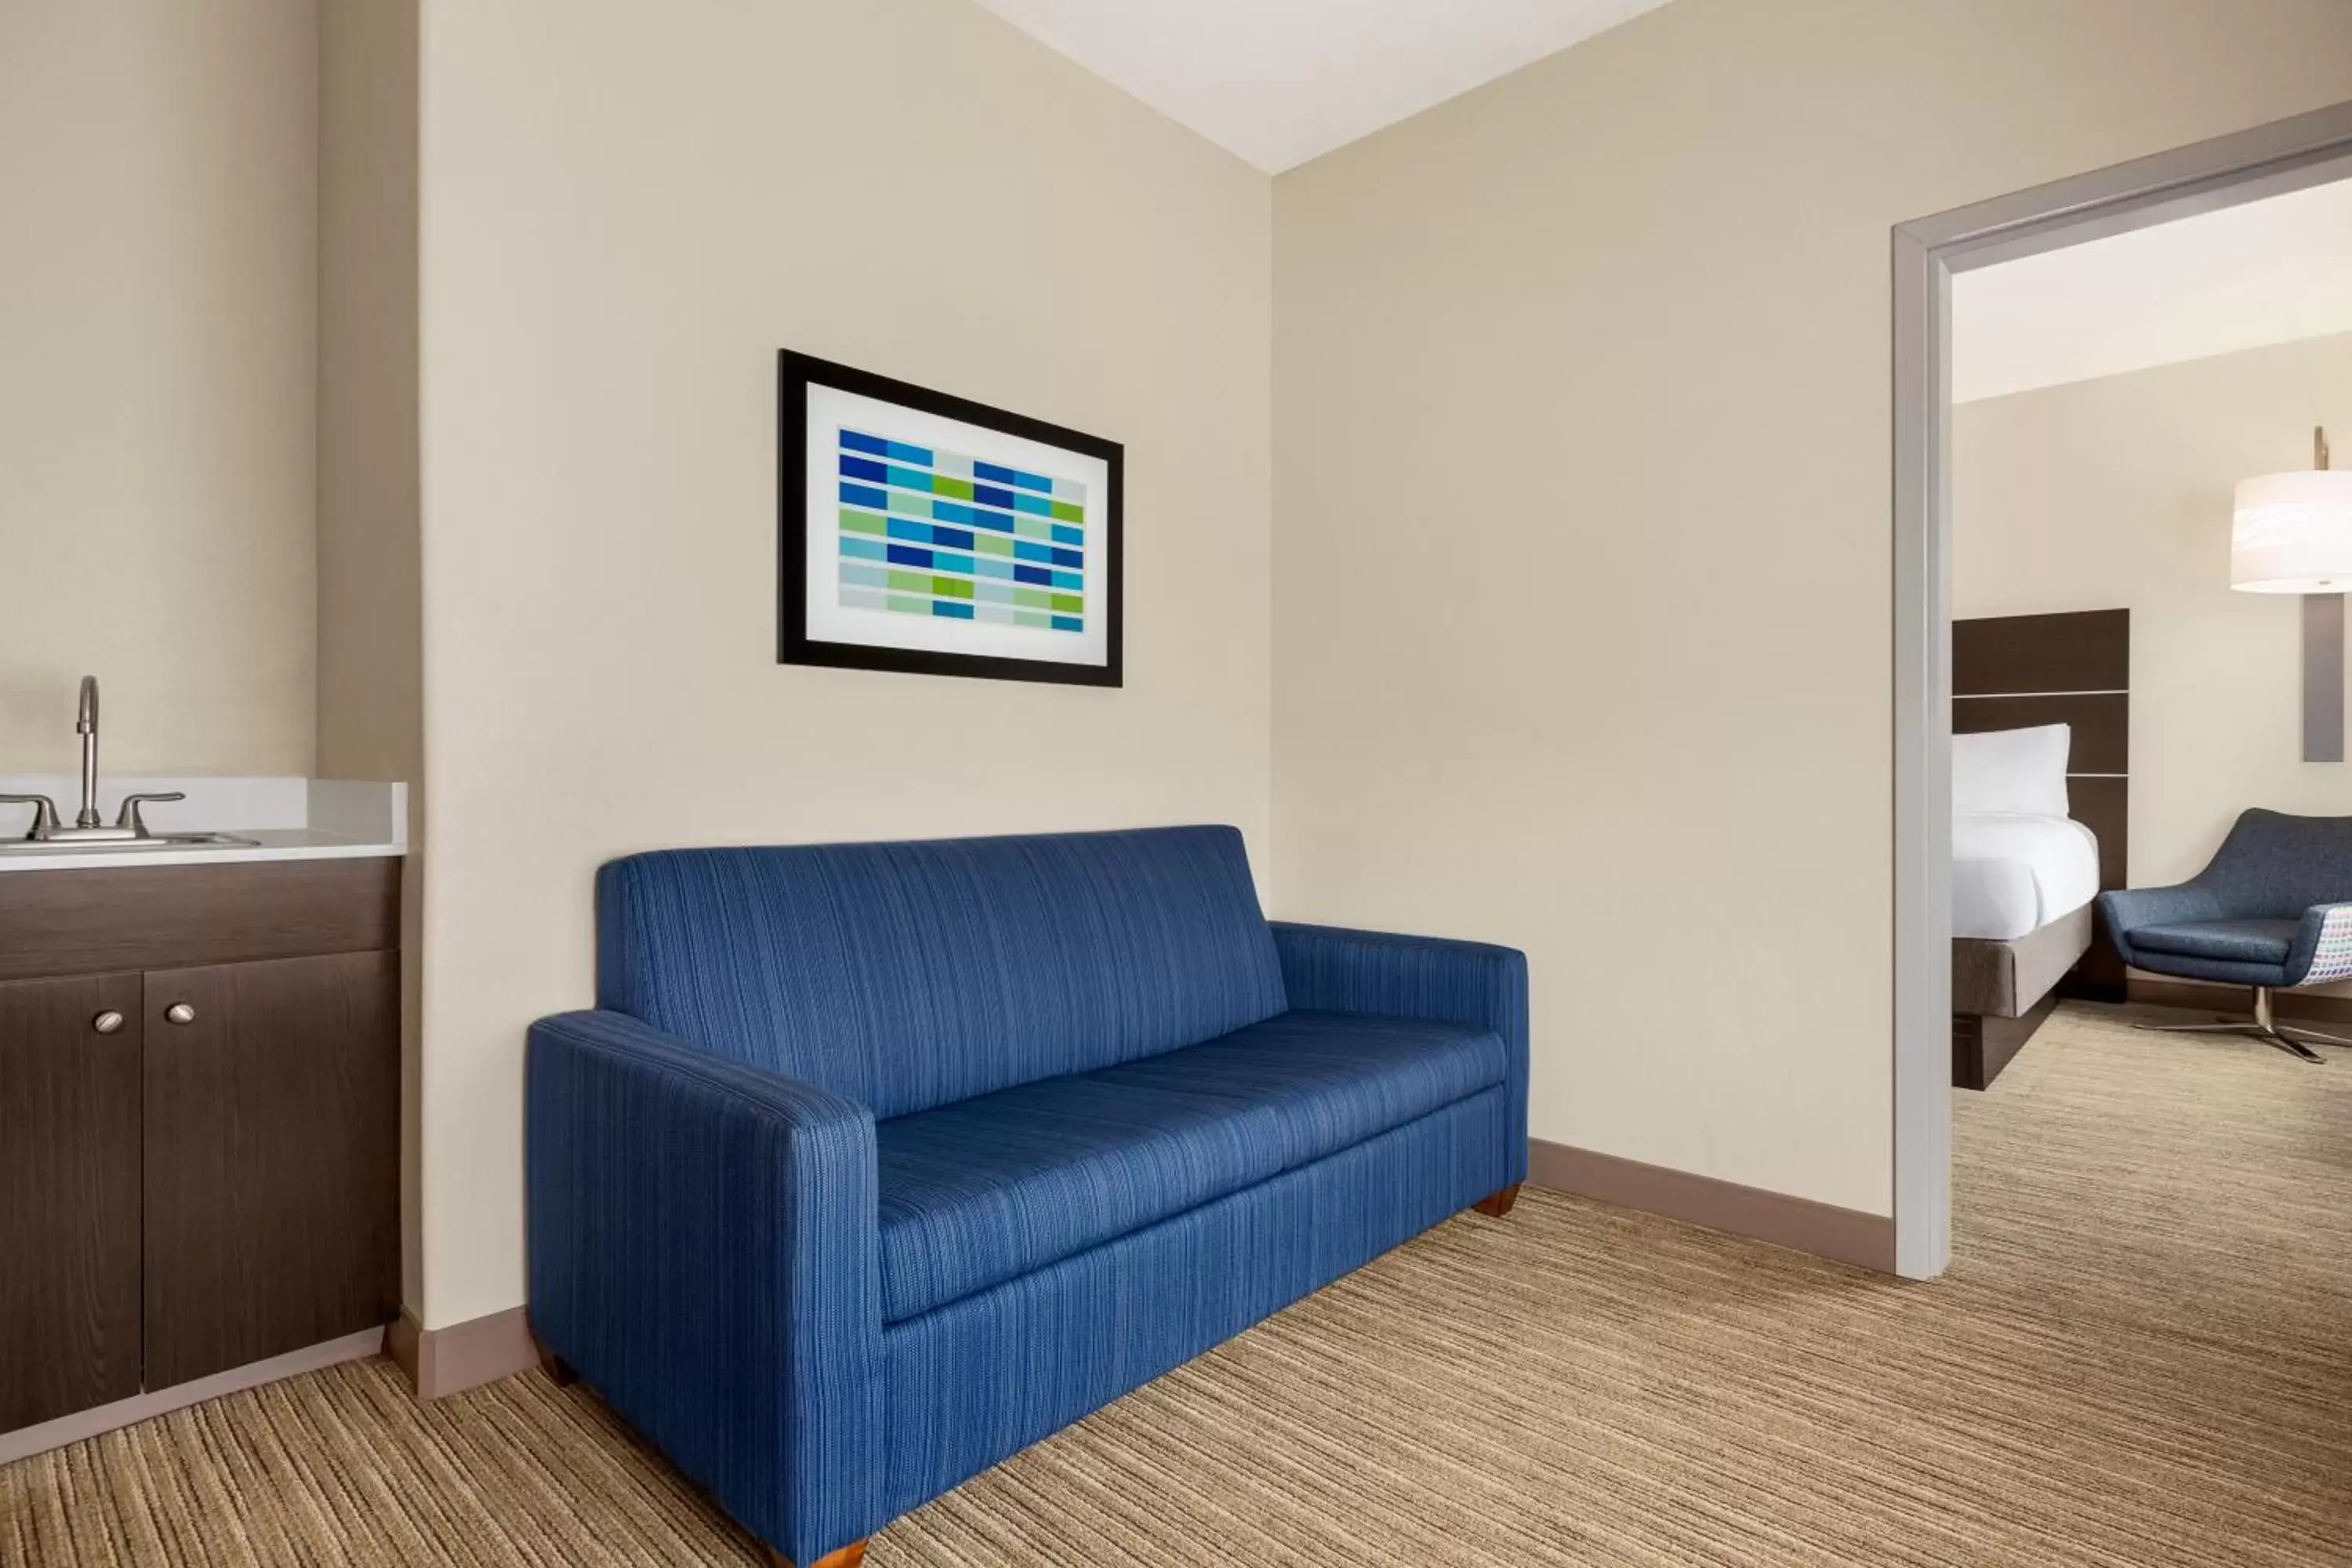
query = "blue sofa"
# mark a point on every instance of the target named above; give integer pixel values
(875, 1163)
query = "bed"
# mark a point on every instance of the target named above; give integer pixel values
(2014, 873)
(2040, 720)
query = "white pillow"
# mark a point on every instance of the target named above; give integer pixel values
(2016, 771)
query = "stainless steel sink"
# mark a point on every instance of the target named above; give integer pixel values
(108, 846)
(89, 834)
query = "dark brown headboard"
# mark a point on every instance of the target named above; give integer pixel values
(2009, 672)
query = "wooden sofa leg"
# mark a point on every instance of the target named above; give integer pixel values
(557, 1368)
(1500, 1202)
(849, 1556)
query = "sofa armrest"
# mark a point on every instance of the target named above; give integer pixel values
(703, 1246)
(1329, 969)
(2126, 909)
(2323, 947)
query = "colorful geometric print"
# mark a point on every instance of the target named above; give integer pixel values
(2332, 958)
(931, 532)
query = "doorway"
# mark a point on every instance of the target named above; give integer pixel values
(2272, 159)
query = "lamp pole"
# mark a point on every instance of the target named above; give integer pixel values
(2323, 655)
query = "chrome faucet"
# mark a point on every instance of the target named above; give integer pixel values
(88, 826)
(86, 726)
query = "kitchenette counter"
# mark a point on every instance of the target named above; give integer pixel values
(285, 818)
(200, 1107)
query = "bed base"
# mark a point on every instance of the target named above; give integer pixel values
(2003, 991)
(1984, 1044)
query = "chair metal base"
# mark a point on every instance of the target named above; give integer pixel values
(2262, 1026)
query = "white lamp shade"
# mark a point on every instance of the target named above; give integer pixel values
(2293, 535)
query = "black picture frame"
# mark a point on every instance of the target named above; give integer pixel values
(796, 372)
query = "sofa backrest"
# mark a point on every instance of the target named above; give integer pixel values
(909, 975)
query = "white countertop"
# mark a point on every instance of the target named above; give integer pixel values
(288, 819)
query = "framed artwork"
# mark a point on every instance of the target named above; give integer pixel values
(931, 535)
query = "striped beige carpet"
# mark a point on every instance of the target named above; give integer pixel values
(2143, 1356)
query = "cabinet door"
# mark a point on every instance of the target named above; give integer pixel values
(68, 1197)
(272, 1158)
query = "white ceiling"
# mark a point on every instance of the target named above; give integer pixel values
(2266, 272)
(1281, 81)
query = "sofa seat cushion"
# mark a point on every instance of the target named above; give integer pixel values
(986, 1190)
(2232, 942)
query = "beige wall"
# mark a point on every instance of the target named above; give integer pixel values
(371, 709)
(370, 719)
(1582, 553)
(2117, 492)
(157, 304)
(624, 218)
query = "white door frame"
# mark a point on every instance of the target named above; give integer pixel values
(2309, 150)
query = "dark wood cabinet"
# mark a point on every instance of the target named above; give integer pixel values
(199, 1123)
(272, 1173)
(69, 1196)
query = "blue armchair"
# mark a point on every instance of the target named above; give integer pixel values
(2273, 911)
(878, 1162)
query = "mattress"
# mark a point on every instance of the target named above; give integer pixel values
(2012, 873)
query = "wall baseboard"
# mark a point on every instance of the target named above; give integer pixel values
(1845, 1235)
(2204, 996)
(442, 1362)
(27, 1441)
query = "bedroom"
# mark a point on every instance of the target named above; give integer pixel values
(2127, 686)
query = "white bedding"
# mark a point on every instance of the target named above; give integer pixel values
(2013, 873)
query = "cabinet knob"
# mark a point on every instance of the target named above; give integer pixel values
(179, 1012)
(107, 1022)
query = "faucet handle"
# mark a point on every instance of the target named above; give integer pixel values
(44, 813)
(129, 817)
